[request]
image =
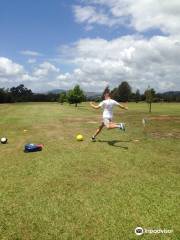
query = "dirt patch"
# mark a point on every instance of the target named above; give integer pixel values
(165, 118)
(81, 120)
(93, 122)
(159, 135)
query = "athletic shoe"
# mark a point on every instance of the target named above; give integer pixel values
(122, 126)
(93, 139)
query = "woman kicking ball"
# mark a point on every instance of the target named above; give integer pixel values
(107, 106)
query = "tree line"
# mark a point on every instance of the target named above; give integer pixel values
(122, 93)
(23, 94)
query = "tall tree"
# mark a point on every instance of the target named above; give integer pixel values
(75, 96)
(62, 97)
(150, 94)
(122, 93)
(21, 93)
(114, 93)
(137, 96)
(2, 95)
(5, 96)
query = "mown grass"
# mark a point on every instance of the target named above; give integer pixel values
(85, 190)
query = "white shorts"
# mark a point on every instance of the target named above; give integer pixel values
(106, 121)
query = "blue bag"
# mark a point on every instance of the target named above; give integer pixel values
(31, 147)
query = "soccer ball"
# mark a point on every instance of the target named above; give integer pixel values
(79, 137)
(4, 140)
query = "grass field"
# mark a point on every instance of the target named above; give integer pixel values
(84, 190)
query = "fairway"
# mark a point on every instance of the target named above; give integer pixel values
(89, 190)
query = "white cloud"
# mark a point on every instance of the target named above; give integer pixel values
(90, 15)
(139, 61)
(30, 53)
(12, 73)
(9, 68)
(98, 62)
(142, 15)
(39, 79)
(45, 69)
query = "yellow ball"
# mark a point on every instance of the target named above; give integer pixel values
(79, 137)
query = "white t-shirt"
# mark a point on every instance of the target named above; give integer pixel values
(107, 106)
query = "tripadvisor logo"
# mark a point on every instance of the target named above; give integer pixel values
(139, 231)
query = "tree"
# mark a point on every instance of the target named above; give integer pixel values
(114, 93)
(21, 93)
(75, 96)
(137, 96)
(5, 96)
(2, 95)
(122, 93)
(150, 94)
(62, 97)
(106, 90)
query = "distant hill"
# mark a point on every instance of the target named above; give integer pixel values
(174, 93)
(56, 91)
(170, 96)
(88, 94)
(92, 94)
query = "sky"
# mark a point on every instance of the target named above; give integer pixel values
(56, 44)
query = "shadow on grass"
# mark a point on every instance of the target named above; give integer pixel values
(114, 143)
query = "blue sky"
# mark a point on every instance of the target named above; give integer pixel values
(37, 25)
(103, 42)
(43, 26)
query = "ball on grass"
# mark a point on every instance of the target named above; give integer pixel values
(79, 137)
(4, 140)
